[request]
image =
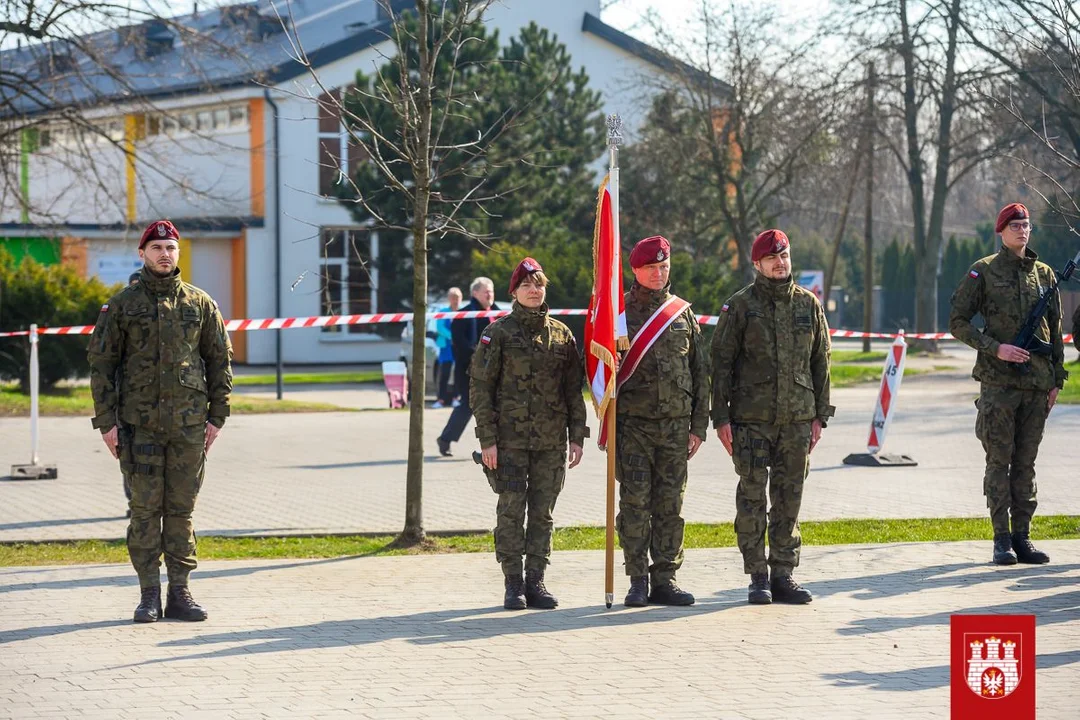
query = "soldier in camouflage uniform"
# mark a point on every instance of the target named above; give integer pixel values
(161, 377)
(662, 417)
(1017, 388)
(1076, 327)
(133, 279)
(770, 401)
(526, 395)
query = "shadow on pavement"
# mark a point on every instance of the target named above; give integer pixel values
(55, 523)
(927, 678)
(130, 579)
(374, 463)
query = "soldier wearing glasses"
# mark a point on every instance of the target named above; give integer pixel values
(1013, 401)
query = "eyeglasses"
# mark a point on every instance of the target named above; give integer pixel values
(1020, 226)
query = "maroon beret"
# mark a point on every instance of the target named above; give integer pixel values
(526, 267)
(769, 242)
(650, 250)
(1012, 211)
(159, 230)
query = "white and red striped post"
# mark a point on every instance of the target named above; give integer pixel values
(891, 376)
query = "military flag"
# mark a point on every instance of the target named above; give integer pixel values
(605, 331)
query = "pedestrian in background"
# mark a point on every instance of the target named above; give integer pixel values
(444, 363)
(465, 335)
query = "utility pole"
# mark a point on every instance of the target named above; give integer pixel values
(868, 237)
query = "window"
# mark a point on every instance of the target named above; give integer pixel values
(336, 152)
(349, 278)
(238, 116)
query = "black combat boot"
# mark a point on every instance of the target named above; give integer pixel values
(514, 599)
(786, 590)
(759, 594)
(1026, 552)
(179, 605)
(1003, 550)
(639, 592)
(536, 595)
(149, 609)
(670, 594)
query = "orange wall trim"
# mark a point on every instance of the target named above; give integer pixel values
(239, 295)
(257, 123)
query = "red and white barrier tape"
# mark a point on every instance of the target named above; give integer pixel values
(376, 318)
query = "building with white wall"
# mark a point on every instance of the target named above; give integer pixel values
(230, 153)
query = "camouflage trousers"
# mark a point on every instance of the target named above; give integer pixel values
(524, 524)
(776, 456)
(651, 469)
(1010, 426)
(165, 472)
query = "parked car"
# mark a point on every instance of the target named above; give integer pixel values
(431, 352)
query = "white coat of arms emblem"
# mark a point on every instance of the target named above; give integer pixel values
(992, 666)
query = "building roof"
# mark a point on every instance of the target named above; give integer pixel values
(232, 46)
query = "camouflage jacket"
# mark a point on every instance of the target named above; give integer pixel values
(160, 357)
(527, 383)
(672, 380)
(770, 356)
(1003, 288)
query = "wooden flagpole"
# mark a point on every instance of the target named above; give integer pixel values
(614, 123)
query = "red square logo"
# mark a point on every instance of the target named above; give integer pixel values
(993, 667)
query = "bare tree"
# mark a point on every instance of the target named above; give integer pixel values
(933, 94)
(760, 129)
(406, 121)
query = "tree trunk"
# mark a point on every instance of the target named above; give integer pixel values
(413, 532)
(868, 237)
(923, 292)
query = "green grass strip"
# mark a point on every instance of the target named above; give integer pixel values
(76, 401)
(857, 356)
(829, 532)
(328, 378)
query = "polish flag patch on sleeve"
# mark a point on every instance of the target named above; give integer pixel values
(725, 308)
(485, 339)
(105, 307)
(973, 274)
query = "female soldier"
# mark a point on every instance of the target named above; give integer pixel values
(526, 396)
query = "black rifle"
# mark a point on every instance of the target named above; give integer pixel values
(1027, 338)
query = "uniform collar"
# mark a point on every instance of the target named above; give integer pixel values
(649, 298)
(1026, 263)
(530, 318)
(160, 286)
(775, 289)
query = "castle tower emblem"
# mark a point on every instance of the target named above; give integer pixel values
(993, 666)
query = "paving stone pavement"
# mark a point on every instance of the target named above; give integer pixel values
(425, 637)
(345, 472)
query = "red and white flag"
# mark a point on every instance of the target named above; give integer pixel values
(605, 325)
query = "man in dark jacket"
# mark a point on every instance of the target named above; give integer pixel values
(465, 334)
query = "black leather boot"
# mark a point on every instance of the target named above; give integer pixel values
(536, 595)
(639, 592)
(149, 609)
(786, 590)
(514, 599)
(759, 594)
(1026, 552)
(1003, 550)
(179, 605)
(670, 594)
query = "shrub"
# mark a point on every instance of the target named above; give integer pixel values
(52, 296)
